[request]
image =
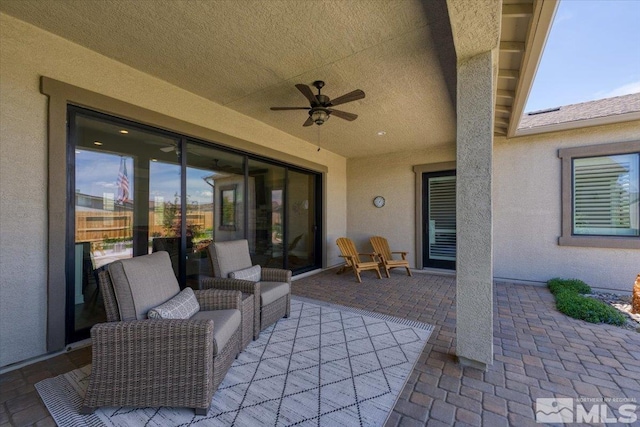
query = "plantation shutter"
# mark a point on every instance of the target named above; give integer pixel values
(442, 218)
(605, 195)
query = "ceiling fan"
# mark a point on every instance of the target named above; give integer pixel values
(322, 106)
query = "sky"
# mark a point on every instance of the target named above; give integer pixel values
(97, 175)
(592, 52)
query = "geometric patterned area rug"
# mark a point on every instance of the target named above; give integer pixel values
(326, 365)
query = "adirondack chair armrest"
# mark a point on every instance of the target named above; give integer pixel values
(372, 255)
(402, 253)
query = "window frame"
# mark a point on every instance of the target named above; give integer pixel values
(230, 205)
(567, 155)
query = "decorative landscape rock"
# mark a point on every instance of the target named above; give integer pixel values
(635, 304)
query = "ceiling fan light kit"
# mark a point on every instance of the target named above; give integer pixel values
(321, 106)
(319, 115)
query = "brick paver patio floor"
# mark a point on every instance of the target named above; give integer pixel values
(538, 352)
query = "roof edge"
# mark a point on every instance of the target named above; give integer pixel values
(578, 124)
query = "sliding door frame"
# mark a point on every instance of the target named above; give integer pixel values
(418, 171)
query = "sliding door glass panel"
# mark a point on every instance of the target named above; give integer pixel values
(117, 168)
(266, 232)
(164, 211)
(103, 226)
(215, 204)
(301, 224)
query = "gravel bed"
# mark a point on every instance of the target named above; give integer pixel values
(621, 303)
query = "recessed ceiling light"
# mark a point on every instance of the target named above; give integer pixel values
(381, 133)
(77, 151)
(124, 131)
(154, 160)
(98, 143)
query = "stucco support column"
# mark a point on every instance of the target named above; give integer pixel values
(474, 266)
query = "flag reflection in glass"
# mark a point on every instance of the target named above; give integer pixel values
(123, 183)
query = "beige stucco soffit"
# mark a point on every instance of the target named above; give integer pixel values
(539, 27)
(475, 25)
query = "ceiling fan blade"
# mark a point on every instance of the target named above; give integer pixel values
(351, 96)
(289, 108)
(308, 122)
(168, 149)
(306, 91)
(344, 115)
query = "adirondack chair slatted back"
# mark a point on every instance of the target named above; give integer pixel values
(352, 259)
(381, 246)
(348, 249)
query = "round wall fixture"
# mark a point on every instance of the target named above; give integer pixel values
(378, 201)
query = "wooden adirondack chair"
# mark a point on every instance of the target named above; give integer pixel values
(352, 259)
(381, 247)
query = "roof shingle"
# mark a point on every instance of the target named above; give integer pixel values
(583, 111)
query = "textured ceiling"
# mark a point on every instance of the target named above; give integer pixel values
(248, 55)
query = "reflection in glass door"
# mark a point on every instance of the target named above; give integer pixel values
(215, 205)
(103, 224)
(439, 216)
(165, 207)
(301, 221)
(125, 179)
(266, 225)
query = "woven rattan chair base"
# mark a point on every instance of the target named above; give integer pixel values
(275, 311)
(248, 321)
(222, 362)
(110, 391)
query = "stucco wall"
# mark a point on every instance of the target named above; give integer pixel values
(390, 176)
(527, 214)
(526, 208)
(26, 54)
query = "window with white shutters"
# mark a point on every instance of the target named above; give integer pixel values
(600, 203)
(605, 195)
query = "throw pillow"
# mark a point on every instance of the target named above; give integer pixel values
(252, 274)
(182, 306)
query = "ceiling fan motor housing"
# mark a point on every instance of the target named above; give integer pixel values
(323, 100)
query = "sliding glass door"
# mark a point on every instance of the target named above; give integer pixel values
(134, 190)
(124, 178)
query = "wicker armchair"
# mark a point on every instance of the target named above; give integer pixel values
(142, 362)
(271, 287)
